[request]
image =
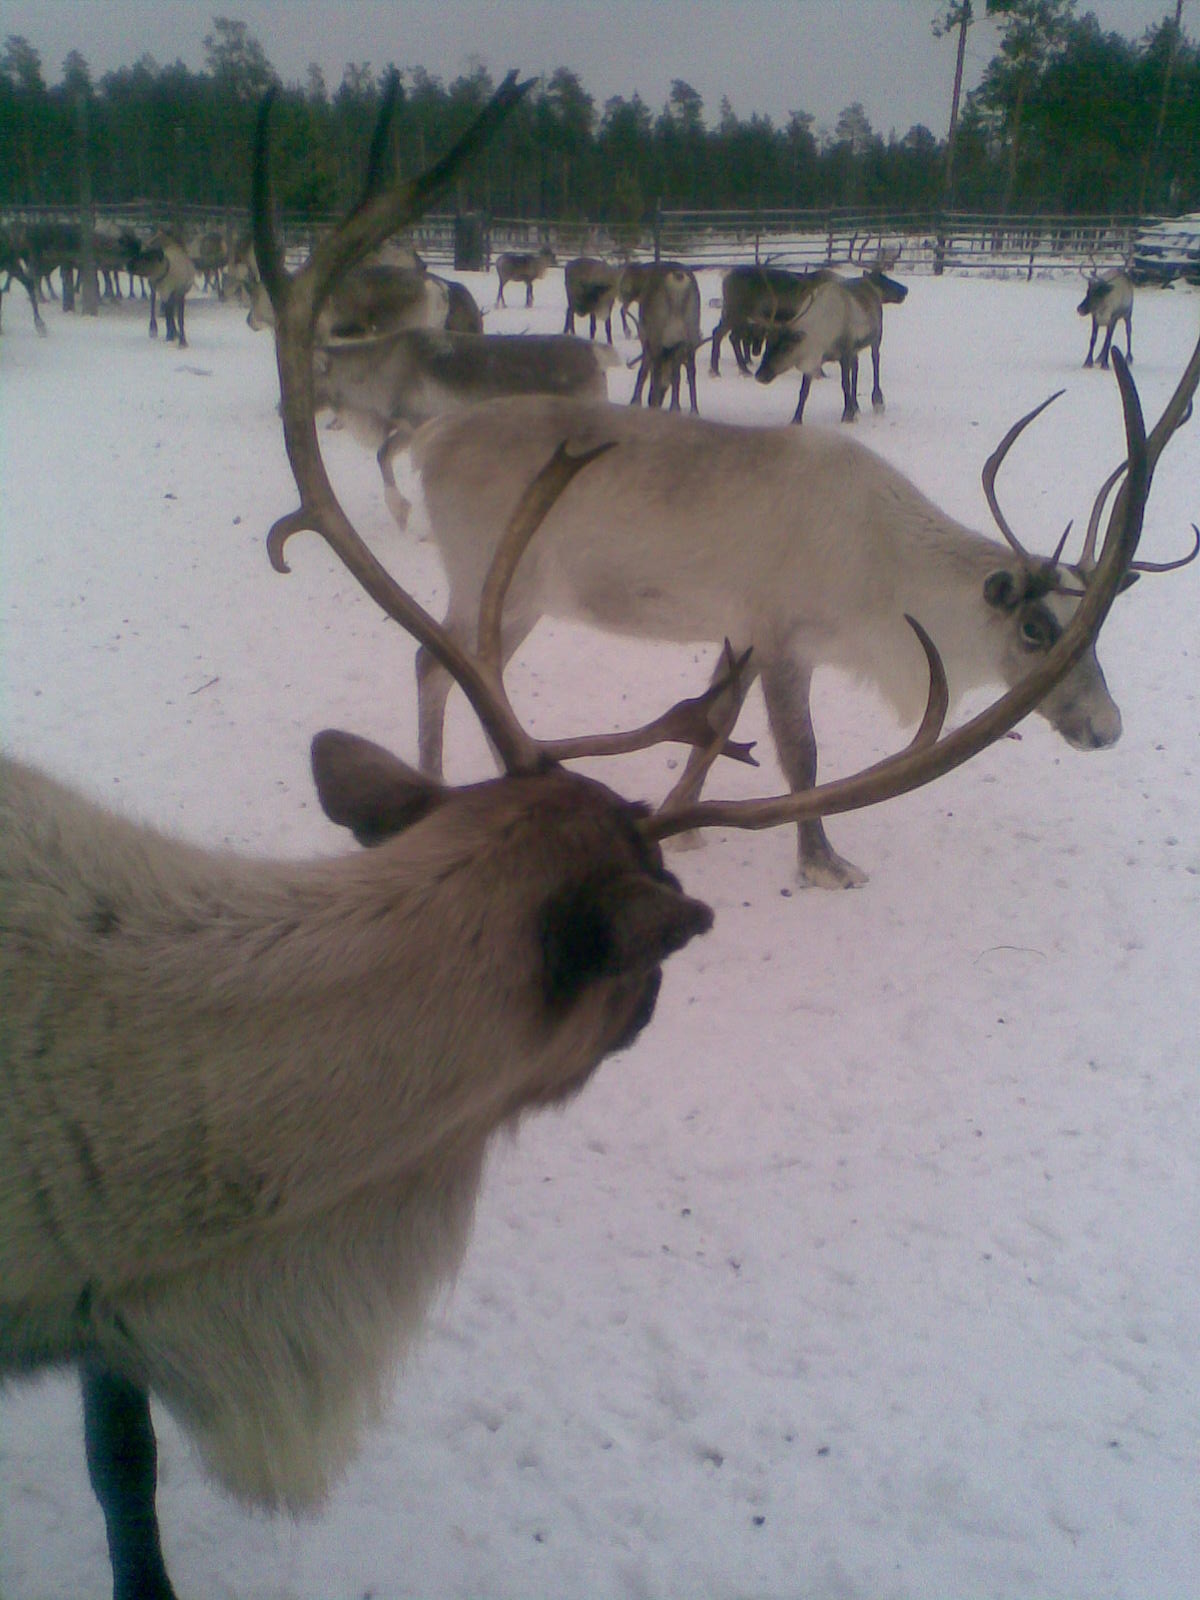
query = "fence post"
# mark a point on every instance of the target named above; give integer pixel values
(939, 252)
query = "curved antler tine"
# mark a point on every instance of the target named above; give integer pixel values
(993, 464)
(531, 511)
(1175, 413)
(1087, 558)
(938, 701)
(1170, 566)
(923, 761)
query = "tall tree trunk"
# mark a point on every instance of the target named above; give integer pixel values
(1153, 148)
(964, 22)
(1014, 147)
(89, 289)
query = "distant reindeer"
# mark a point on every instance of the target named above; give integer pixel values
(247, 1104)
(754, 300)
(12, 266)
(210, 257)
(1108, 301)
(521, 267)
(167, 268)
(368, 301)
(385, 388)
(837, 320)
(669, 330)
(591, 287)
(633, 279)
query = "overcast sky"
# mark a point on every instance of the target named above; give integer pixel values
(769, 56)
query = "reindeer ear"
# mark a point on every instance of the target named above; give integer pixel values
(365, 788)
(1002, 590)
(615, 926)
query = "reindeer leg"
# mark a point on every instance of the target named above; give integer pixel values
(640, 382)
(1108, 333)
(179, 323)
(719, 332)
(1128, 320)
(691, 378)
(153, 318)
(1092, 342)
(434, 683)
(805, 386)
(122, 1463)
(876, 391)
(786, 686)
(397, 440)
(849, 366)
(691, 781)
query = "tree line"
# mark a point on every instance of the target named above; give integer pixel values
(1068, 118)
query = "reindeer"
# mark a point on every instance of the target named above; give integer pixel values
(247, 1103)
(210, 256)
(385, 388)
(368, 301)
(838, 320)
(755, 299)
(669, 330)
(167, 268)
(1108, 301)
(632, 281)
(519, 267)
(807, 549)
(591, 286)
(12, 265)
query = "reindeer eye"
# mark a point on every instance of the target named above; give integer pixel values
(1037, 633)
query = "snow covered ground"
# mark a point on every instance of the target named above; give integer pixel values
(873, 1270)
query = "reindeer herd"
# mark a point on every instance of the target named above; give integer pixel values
(234, 1187)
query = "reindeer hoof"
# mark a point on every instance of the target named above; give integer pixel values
(830, 872)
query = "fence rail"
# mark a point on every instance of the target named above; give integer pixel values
(922, 241)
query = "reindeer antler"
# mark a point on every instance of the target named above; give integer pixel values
(296, 300)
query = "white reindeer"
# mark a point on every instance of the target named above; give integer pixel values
(803, 546)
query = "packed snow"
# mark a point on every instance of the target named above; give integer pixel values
(872, 1271)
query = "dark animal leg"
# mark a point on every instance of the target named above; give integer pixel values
(1128, 321)
(805, 386)
(786, 686)
(849, 388)
(1108, 333)
(690, 358)
(719, 332)
(528, 295)
(153, 318)
(876, 391)
(1092, 342)
(122, 1463)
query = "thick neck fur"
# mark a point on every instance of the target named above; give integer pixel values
(288, 1033)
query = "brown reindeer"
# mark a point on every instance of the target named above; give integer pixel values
(591, 288)
(522, 267)
(247, 1103)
